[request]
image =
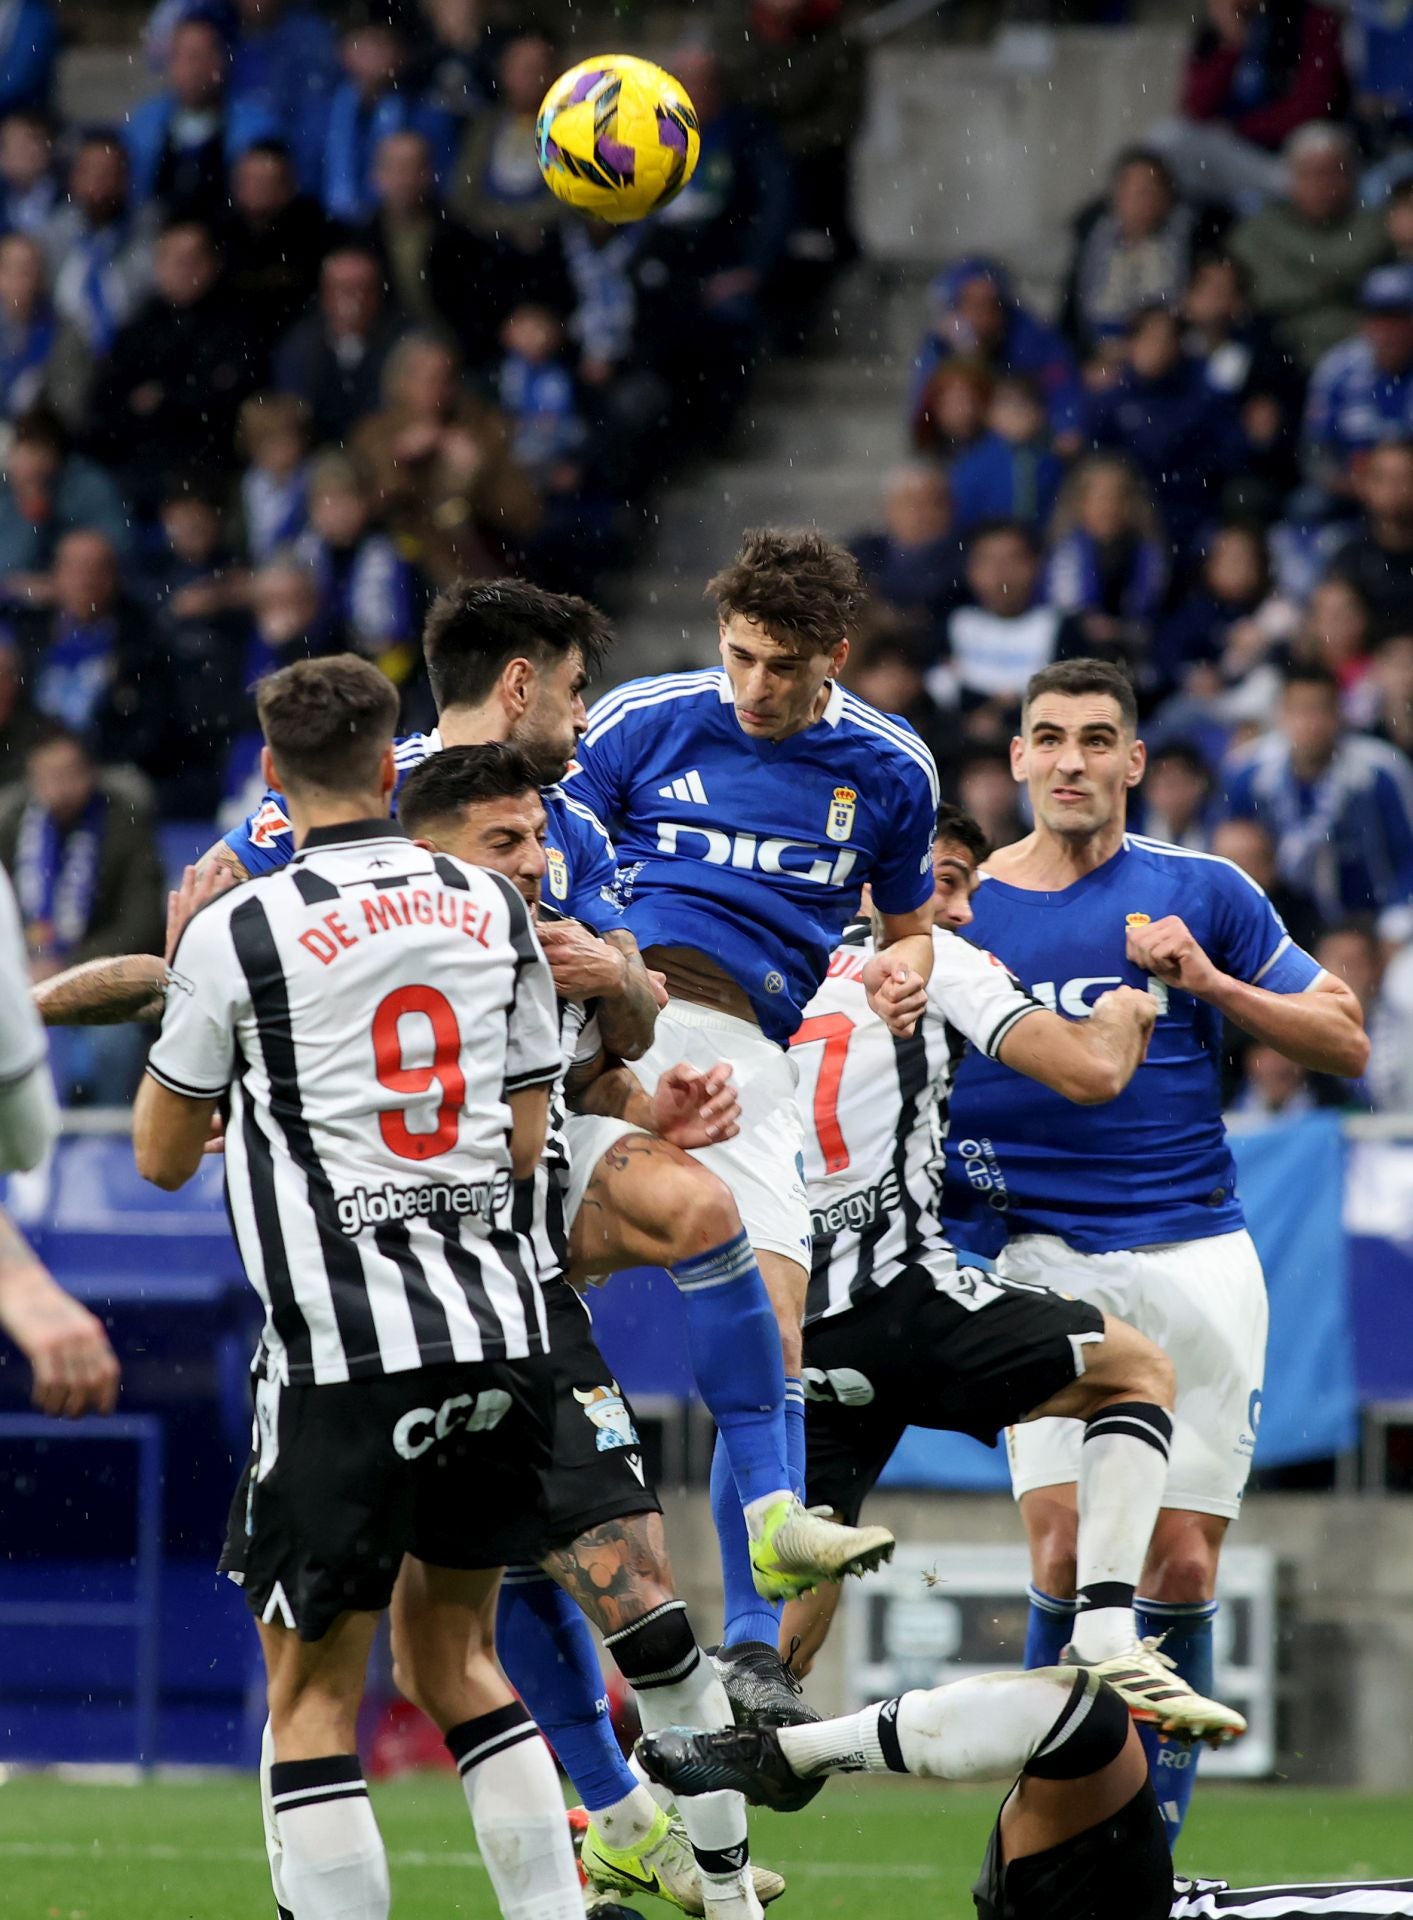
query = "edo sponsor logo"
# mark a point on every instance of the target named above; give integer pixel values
(983, 1170)
(374, 1206)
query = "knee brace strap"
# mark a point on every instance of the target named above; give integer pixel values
(657, 1650)
(1089, 1733)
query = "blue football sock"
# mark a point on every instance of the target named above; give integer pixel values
(734, 1345)
(747, 1616)
(1047, 1629)
(549, 1658)
(795, 1433)
(1186, 1633)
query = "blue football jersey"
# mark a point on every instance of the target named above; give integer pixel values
(752, 852)
(1152, 1166)
(580, 865)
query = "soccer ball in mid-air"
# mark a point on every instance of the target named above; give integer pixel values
(617, 137)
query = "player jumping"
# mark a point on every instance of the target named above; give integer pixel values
(897, 1334)
(509, 662)
(1133, 1206)
(748, 806)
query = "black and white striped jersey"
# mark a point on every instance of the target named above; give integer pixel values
(538, 1209)
(875, 1112)
(370, 1007)
(1340, 1900)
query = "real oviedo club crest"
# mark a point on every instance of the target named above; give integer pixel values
(841, 813)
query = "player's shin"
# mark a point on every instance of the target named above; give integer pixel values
(988, 1728)
(747, 1617)
(518, 1813)
(734, 1345)
(548, 1655)
(1186, 1633)
(676, 1687)
(332, 1862)
(1123, 1467)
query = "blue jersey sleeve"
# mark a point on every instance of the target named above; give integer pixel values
(264, 842)
(1251, 942)
(902, 880)
(592, 866)
(596, 778)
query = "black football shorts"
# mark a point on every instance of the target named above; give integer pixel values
(1120, 1870)
(444, 1462)
(596, 1470)
(964, 1352)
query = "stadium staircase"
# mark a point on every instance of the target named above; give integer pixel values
(814, 441)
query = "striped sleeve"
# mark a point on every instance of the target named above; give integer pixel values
(533, 1055)
(194, 1054)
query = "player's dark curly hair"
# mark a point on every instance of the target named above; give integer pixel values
(454, 778)
(802, 589)
(477, 627)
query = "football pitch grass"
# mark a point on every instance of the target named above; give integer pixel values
(191, 1850)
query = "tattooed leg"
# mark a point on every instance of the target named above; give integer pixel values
(648, 1204)
(616, 1572)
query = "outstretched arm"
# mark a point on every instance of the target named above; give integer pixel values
(133, 986)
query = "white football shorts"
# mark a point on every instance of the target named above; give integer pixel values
(763, 1166)
(1204, 1303)
(588, 1137)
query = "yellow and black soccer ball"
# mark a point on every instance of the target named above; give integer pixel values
(617, 137)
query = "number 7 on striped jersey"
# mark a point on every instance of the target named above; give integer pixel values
(836, 1030)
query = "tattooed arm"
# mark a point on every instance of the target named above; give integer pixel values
(133, 986)
(687, 1108)
(104, 993)
(74, 1368)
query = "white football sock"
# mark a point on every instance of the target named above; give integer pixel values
(715, 1822)
(517, 1810)
(1123, 1471)
(332, 1862)
(273, 1850)
(982, 1729)
(663, 1795)
(629, 1821)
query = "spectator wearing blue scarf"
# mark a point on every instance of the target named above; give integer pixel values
(1339, 805)
(81, 850)
(183, 142)
(366, 106)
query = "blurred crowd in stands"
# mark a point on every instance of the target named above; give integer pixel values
(301, 338)
(1203, 468)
